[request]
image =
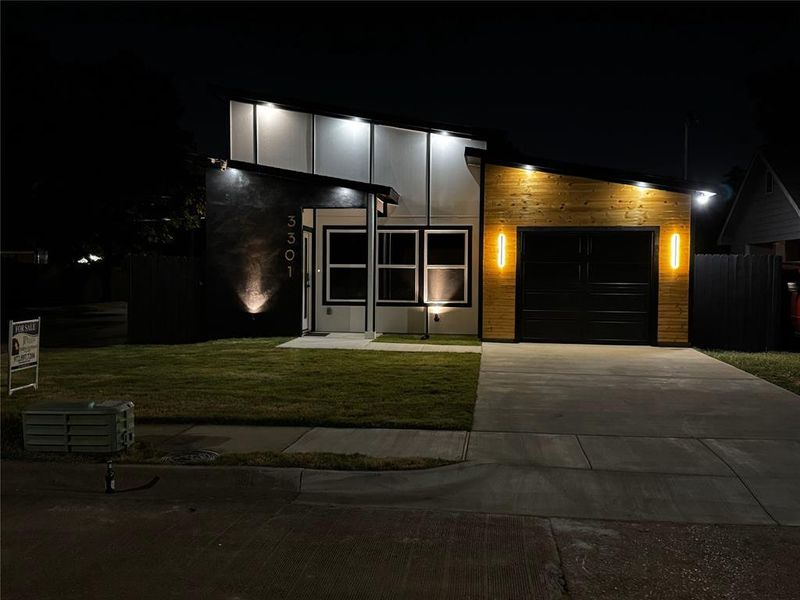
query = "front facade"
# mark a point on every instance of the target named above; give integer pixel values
(323, 222)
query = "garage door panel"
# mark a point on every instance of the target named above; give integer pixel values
(611, 246)
(586, 286)
(616, 331)
(550, 247)
(618, 273)
(619, 302)
(548, 276)
(552, 329)
(554, 301)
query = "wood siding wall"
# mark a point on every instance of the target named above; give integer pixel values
(515, 197)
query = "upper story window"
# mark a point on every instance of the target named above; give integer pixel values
(770, 182)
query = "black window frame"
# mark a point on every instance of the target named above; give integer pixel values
(466, 266)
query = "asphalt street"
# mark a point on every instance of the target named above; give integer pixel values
(245, 533)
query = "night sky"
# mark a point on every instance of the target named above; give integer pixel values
(607, 85)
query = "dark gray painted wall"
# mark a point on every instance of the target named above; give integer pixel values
(759, 217)
(249, 289)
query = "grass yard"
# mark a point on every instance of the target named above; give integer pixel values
(780, 368)
(444, 340)
(250, 381)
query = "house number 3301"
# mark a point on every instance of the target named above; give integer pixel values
(291, 240)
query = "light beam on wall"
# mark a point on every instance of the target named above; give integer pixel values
(253, 294)
(675, 257)
(501, 250)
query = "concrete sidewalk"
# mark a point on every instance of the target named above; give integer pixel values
(234, 439)
(669, 479)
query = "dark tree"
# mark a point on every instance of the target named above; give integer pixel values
(100, 162)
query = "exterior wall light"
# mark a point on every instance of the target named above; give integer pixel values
(675, 259)
(501, 250)
(642, 184)
(702, 198)
(528, 167)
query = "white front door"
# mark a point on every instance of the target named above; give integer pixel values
(308, 278)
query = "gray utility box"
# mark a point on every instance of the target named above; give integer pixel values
(101, 427)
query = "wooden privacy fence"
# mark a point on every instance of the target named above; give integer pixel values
(165, 304)
(736, 302)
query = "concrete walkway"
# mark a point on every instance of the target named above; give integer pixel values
(356, 341)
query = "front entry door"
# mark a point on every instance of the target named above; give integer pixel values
(308, 278)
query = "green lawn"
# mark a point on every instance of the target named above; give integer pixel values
(249, 381)
(781, 368)
(445, 340)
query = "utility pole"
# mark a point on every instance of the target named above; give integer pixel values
(689, 121)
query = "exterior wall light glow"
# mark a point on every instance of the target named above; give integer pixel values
(642, 184)
(528, 167)
(675, 258)
(501, 250)
(703, 197)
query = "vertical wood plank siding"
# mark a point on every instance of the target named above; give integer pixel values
(515, 197)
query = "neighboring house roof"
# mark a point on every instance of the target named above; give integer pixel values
(475, 155)
(784, 164)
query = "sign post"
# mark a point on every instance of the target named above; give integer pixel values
(23, 350)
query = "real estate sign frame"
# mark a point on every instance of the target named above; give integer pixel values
(23, 350)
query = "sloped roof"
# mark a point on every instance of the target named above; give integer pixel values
(785, 165)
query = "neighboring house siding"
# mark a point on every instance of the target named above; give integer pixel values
(759, 217)
(515, 197)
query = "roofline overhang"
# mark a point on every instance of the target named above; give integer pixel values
(261, 97)
(475, 156)
(384, 193)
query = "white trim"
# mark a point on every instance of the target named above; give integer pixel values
(464, 267)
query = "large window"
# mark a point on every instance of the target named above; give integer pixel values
(446, 266)
(346, 265)
(398, 258)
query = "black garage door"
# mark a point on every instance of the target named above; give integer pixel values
(586, 286)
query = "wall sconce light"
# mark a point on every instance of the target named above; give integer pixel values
(501, 250)
(436, 317)
(676, 249)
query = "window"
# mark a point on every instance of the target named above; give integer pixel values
(446, 256)
(346, 265)
(770, 182)
(397, 266)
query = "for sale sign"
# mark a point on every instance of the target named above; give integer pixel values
(23, 349)
(24, 344)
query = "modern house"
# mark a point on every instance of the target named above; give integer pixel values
(765, 216)
(325, 221)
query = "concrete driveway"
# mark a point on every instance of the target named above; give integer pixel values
(630, 427)
(627, 390)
